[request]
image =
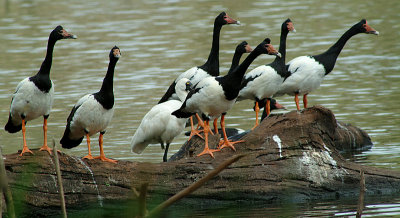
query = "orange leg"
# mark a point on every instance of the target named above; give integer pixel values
(25, 147)
(45, 147)
(296, 99)
(305, 100)
(268, 106)
(89, 156)
(194, 131)
(215, 125)
(202, 124)
(102, 156)
(257, 109)
(226, 143)
(207, 150)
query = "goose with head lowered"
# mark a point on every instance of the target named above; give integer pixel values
(159, 125)
(308, 72)
(92, 113)
(214, 96)
(209, 68)
(34, 95)
(264, 81)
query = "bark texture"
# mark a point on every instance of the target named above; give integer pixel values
(290, 157)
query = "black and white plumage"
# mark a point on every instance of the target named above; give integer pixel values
(214, 96)
(159, 125)
(93, 112)
(240, 49)
(211, 67)
(34, 95)
(264, 81)
(308, 72)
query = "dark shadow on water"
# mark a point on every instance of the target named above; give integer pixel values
(190, 207)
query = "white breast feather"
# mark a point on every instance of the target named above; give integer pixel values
(90, 116)
(266, 83)
(32, 102)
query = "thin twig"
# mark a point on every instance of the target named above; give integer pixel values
(6, 190)
(360, 206)
(59, 180)
(142, 200)
(193, 187)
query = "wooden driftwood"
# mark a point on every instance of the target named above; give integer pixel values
(289, 157)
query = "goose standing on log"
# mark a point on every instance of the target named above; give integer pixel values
(34, 95)
(307, 72)
(92, 113)
(209, 68)
(159, 125)
(214, 96)
(242, 48)
(264, 81)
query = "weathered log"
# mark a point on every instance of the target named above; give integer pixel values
(290, 157)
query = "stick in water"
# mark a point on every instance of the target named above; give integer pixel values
(193, 187)
(59, 180)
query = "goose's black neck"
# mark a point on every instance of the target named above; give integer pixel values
(106, 94)
(42, 78)
(328, 58)
(212, 64)
(279, 63)
(231, 82)
(235, 61)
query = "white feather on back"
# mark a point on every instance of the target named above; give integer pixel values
(266, 83)
(307, 75)
(210, 99)
(29, 100)
(159, 125)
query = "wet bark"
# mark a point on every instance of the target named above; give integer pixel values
(290, 157)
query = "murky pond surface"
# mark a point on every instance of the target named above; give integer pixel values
(161, 39)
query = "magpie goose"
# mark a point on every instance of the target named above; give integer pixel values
(264, 81)
(307, 72)
(34, 95)
(92, 113)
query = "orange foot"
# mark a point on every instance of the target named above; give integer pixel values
(195, 132)
(228, 144)
(89, 156)
(103, 158)
(24, 150)
(254, 126)
(46, 148)
(207, 151)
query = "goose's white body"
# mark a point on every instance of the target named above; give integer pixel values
(30, 101)
(158, 126)
(194, 75)
(307, 75)
(210, 99)
(266, 83)
(90, 116)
